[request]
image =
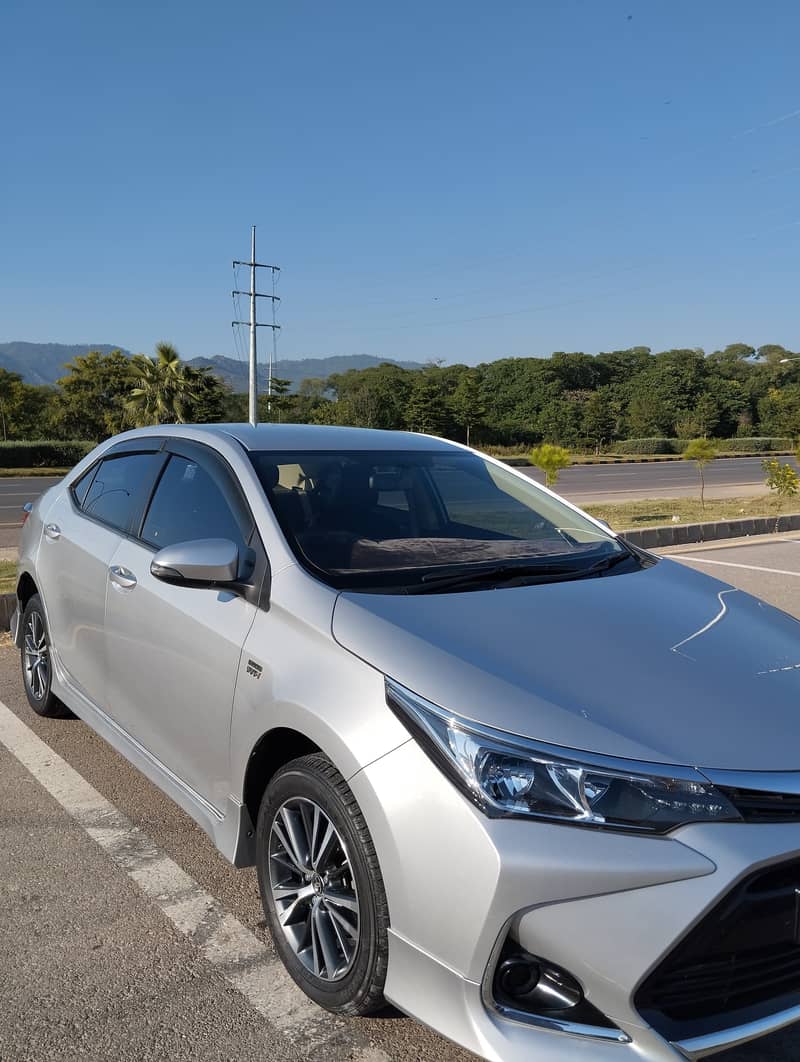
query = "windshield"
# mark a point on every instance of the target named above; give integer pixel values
(383, 520)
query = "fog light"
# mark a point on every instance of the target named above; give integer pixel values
(517, 976)
(535, 985)
(531, 989)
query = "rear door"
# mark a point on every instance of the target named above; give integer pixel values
(82, 532)
(173, 652)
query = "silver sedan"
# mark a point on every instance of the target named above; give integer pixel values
(530, 784)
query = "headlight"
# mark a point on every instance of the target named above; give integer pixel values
(507, 775)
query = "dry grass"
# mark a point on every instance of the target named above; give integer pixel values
(33, 471)
(655, 512)
(8, 577)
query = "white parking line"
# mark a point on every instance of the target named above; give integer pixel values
(221, 939)
(730, 564)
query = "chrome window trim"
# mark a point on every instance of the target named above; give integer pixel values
(702, 1046)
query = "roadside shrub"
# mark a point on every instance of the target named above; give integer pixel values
(551, 459)
(754, 444)
(758, 444)
(43, 453)
(647, 446)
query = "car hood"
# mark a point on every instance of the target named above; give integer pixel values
(662, 664)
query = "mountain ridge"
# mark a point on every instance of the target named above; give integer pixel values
(43, 363)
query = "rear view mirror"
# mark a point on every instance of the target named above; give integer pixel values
(204, 562)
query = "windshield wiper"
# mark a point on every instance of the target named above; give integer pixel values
(500, 573)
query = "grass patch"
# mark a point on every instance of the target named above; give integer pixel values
(523, 458)
(655, 512)
(8, 577)
(33, 471)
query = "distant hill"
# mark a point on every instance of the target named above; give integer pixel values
(235, 373)
(43, 363)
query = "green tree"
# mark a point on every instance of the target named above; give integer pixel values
(426, 410)
(773, 353)
(782, 480)
(466, 403)
(276, 408)
(24, 408)
(209, 398)
(598, 420)
(647, 413)
(90, 403)
(163, 388)
(701, 451)
(779, 411)
(370, 398)
(551, 459)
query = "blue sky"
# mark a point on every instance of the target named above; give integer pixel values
(454, 180)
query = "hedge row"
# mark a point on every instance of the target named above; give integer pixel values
(759, 445)
(44, 453)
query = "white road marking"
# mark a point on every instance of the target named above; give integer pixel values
(730, 564)
(220, 937)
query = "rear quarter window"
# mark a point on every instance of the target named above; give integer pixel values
(118, 490)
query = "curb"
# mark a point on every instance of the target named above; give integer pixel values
(685, 534)
(8, 602)
(644, 459)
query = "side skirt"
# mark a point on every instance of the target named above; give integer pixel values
(231, 830)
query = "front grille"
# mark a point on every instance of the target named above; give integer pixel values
(740, 963)
(756, 806)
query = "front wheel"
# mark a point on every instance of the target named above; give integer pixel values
(37, 667)
(321, 887)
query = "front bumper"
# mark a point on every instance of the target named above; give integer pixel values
(607, 907)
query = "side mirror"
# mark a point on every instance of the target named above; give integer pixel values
(204, 562)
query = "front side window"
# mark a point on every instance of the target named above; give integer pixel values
(189, 505)
(118, 488)
(394, 520)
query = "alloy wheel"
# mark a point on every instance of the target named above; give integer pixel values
(313, 889)
(36, 657)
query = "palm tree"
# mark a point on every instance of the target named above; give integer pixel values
(164, 388)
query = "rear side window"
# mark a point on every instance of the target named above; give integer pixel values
(119, 488)
(188, 505)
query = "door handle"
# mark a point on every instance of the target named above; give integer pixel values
(52, 531)
(122, 577)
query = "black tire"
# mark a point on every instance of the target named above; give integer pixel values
(305, 782)
(37, 670)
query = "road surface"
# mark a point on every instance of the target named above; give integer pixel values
(725, 478)
(127, 938)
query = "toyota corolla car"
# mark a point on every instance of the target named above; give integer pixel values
(535, 787)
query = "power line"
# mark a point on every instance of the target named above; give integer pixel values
(255, 324)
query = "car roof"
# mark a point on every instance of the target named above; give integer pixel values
(310, 437)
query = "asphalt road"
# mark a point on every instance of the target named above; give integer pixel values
(97, 961)
(725, 478)
(14, 492)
